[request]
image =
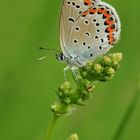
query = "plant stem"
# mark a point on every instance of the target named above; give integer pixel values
(127, 116)
(51, 127)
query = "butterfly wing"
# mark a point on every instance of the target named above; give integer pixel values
(71, 11)
(88, 32)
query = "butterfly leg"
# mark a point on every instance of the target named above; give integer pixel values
(66, 69)
(74, 70)
(75, 74)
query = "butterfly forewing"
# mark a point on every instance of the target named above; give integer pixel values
(71, 11)
(88, 29)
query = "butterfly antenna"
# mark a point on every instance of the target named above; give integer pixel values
(44, 57)
(41, 58)
(53, 50)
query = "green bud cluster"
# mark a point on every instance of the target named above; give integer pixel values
(102, 69)
(64, 92)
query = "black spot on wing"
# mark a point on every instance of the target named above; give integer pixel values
(71, 19)
(102, 40)
(84, 43)
(87, 33)
(77, 6)
(91, 55)
(97, 24)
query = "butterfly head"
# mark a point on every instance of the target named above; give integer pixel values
(60, 57)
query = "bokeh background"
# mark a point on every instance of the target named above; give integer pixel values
(27, 88)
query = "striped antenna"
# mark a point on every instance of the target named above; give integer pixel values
(53, 50)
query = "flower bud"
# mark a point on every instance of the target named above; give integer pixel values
(67, 101)
(107, 78)
(84, 74)
(54, 107)
(88, 66)
(115, 65)
(73, 137)
(106, 60)
(59, 93)
(64, 86)
(81, 102)
(110, 71)
(98, 68)
(118, 56)
(90, 87)
(66, 92)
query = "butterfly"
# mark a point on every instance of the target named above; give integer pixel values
(88, 29)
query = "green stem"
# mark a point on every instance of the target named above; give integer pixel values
(129, 112)
(51, 127)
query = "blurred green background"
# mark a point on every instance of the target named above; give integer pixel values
(27, 88)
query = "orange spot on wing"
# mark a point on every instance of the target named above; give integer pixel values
(109, 22)
(92, 10)
(110, 36)
(85, 13)
(110, 30)
(111, 39)
(106, 15)
(88, 2)
(101, 10)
